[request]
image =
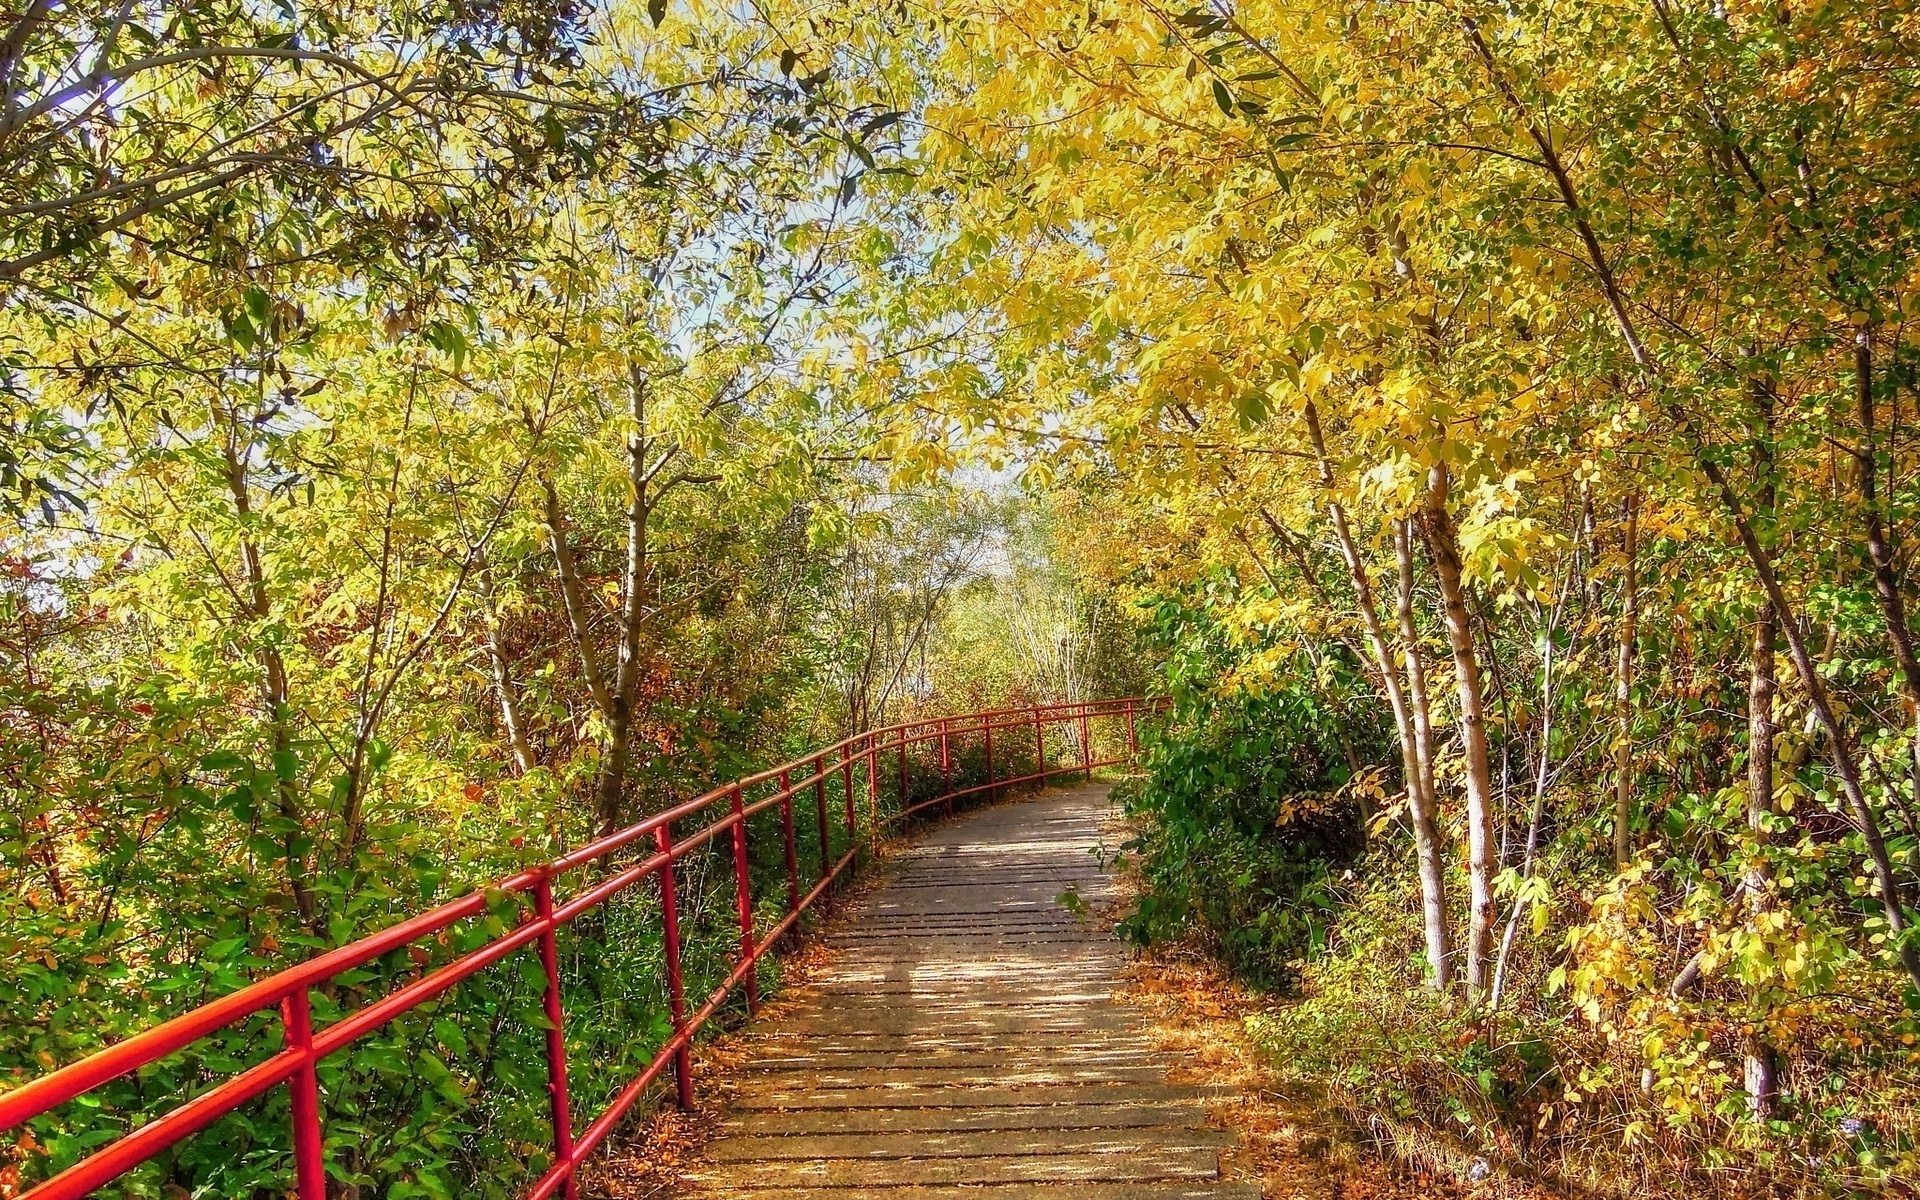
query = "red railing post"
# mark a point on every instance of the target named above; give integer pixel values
(676, 986)
(986, 723)
(902, 735)
(786, 835)
(946, 765)
(309, 1146)
(743, 898)
(853, 819)
(1133, 735)
(556, 1039)
(1086, 745)
(1039, 748)
(873, 792)
(820, 807)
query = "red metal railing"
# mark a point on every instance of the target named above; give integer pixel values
(303, 1046)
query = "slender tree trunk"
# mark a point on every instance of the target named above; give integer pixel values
(1419, 799)
(275, 699)
(501, 668)
(511, 719)
(610, 794)
(1415, 660)
(1443, 543)
(1886, 579)
(1762, 1062)
(1422, 794)
(1535, 814)
(1589, 535)
(1629, 636)
(1419, 793)
(573, 598)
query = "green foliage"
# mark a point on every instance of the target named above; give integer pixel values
(1245, 823)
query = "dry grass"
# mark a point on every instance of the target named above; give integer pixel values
(1294, 1141)
(1297, 1147)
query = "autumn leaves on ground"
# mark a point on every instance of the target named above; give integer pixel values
(431, 433)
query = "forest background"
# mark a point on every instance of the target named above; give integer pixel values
(436, 431)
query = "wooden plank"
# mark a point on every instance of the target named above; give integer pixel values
(935, 1055)
(1070, 1041)
(1150, 1165)
(994, 1143)
(1211, 1190)
(910, 1095)
(1176, 1114)
(1065, 1070)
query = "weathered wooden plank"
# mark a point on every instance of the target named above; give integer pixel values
(1143, 1165)
(912, 1095)
(1210, 1190)
(772, 1123)
(1066, 1070)
(934, 1056)
(993, 1143)
(1004, 1024)
(912, 1045)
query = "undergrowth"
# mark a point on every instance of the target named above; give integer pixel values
(1249, 842)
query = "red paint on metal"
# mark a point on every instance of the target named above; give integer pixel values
(1086, 746)
(946, 765)
(560, 1105)
(309, 1148)
(873, 786)
(987, 725)
(788, 851)
(1039, 744)
(820, 810)
(676, 983)
(743, 899)
(846, 777)
(304, 1047)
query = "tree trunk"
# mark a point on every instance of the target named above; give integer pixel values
(275, 699)
(1886, 580)
(1417, 697)
(1762, 1062)
(1443, 543)
(1629, 634)
(1535, 813)
(610, 794)
(1419, 783)
(1422, 794)
(501, 669)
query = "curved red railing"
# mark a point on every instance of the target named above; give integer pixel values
(304, 1046)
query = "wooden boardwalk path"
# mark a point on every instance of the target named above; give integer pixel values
(965, 1043)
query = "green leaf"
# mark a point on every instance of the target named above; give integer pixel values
(657, 11)
(1223, 97)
